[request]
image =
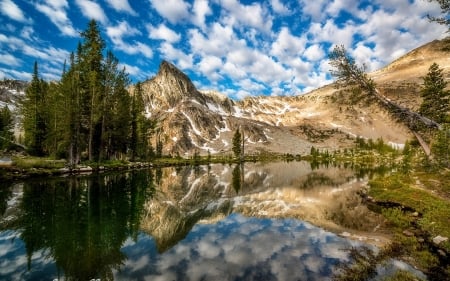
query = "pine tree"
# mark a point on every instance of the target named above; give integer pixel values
(140, 126)
(441, 147)
(237, 143)
(436, 104)
(6, 128)
(34, 114)
(72, 120)
(91, 64)
(121, 119)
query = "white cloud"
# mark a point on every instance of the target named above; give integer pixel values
(287, 45)
(10, 60)
(208, 65)
(27, 33)
(219, 41)
(184, 61)
(314, 9)
(56, 12)
(11, 10)
(279, 8)
(162, 32)
(135, 71)
(201, 9)
(314, 53)
(15, 74)
(123, 29)
(253, 15)
(121, 6)
(50, 54)
(233, 71)
(92, 10)
(331, 33)
(116, 33)
(173, 10)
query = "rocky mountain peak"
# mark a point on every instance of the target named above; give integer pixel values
(169, 87)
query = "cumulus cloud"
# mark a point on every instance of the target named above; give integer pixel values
(11, 10)
(123, 29)
(121, 6)
(287, 45)
(92, 10)
(162, 32)
(201, 9)
(241, 248)
(254, 15)
(56, 12)
(170, 53)
(314, 53)
(173, 10)
(279, 8)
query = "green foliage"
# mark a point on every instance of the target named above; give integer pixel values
(441, 147)
(159, 148)
(436, 103)
(83, 222)
(35, 117)
(406, 164)
(88, 113)
(236, 178)
(6, 128)
(347, 72)
(237, 139)
(140, 127)
(400, 189)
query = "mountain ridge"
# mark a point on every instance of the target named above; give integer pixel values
(191, 121)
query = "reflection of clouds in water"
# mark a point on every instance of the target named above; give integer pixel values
(14, 263)
(243, 248)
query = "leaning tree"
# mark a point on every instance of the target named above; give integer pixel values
(348, 73)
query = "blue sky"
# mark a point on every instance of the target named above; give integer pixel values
(240, 48)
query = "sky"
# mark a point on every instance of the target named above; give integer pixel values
(237, 47)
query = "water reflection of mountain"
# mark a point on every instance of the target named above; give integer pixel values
(82, 223)
(325, 196)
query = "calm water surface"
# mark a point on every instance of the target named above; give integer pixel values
(206, 223)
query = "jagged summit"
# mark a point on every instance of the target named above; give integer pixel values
(169, 87)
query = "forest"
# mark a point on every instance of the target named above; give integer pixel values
(88, 114)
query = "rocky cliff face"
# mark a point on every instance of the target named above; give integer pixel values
(191, 121)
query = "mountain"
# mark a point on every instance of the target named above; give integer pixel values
(11, 93)
(192, 121)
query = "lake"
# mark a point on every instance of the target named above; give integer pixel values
(258, 221)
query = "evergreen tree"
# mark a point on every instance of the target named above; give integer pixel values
(436, 104)
(6, 128)
(140, 126)
(441, 147)
(121, 118)
(93, 94)
(237, 143)
(72, 120)
(34, 114)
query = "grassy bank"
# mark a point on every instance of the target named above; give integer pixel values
(416, 206)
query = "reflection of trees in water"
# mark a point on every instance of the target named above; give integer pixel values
(361, 170)
(84, 221)
(5, 194)
(237, 178)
